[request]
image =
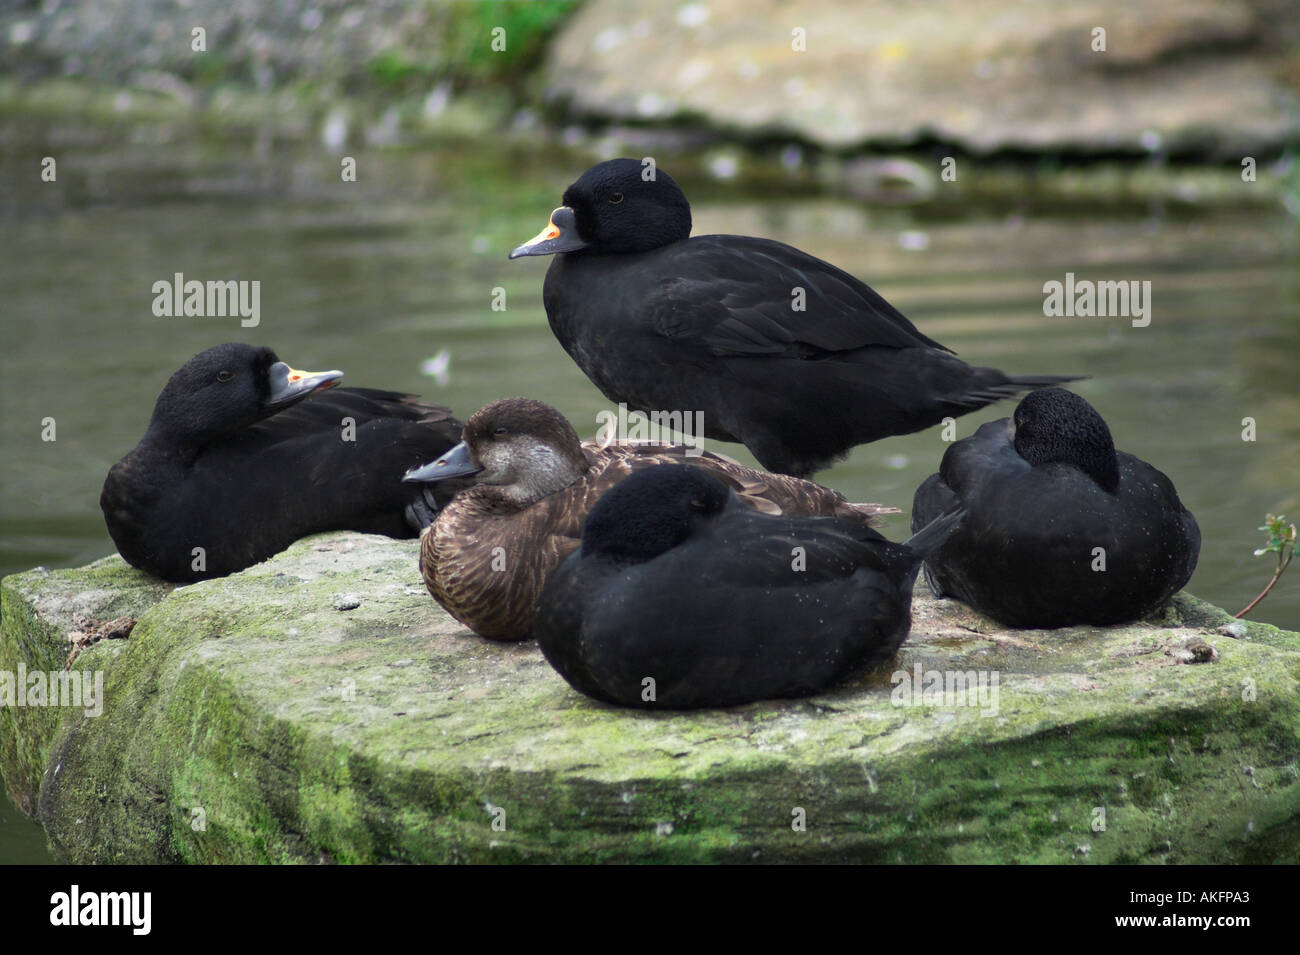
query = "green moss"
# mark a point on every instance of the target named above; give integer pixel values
(527, 26)
(37, 610)
(387, 733)
(391, 70)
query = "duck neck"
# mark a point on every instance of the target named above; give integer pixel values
(167, 445)
(1097, 459)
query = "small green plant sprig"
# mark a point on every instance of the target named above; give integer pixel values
(1281, 541)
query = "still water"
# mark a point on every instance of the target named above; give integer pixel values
(377, 276)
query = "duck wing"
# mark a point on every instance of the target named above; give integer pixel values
(325, 411)
(765, 492)
(390, 432)
(744, 292)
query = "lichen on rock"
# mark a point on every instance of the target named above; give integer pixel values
(247, 719)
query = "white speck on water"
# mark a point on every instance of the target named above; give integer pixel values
(439, 369)
(914, 240)
(335, 131)
(436, 102)
(724, 166)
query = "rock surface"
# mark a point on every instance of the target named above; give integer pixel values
(248, 719)
(1210, 78)
(152, 43)
(1205, 76)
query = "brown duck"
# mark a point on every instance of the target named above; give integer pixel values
(487, 555)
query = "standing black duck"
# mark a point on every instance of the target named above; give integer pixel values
(781, 351)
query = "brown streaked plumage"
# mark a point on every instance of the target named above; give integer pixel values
(490, 551)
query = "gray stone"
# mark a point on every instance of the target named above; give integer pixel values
(1204, 76)
(245, 720)
(346, 601)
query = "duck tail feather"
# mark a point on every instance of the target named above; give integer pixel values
(933, 535)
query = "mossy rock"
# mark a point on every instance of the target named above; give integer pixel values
(250, 719)
(40, 608)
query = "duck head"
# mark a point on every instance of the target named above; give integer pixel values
(651, 512)
(621, 205)
(525, 449)
(229, 387)
(1055, 425)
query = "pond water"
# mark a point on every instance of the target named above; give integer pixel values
(377, 276)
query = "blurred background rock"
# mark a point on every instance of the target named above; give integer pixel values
(1212, 79)
(1203, 77)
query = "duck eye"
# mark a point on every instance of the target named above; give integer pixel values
(225, 375)
(616, 198)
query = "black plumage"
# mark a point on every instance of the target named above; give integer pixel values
(236, 463)
(1061, 528)
(681, 597)
(784, 352)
